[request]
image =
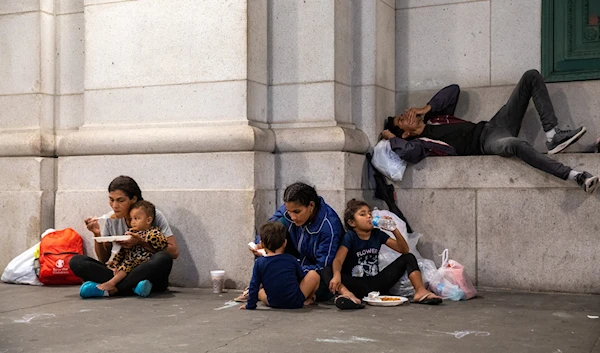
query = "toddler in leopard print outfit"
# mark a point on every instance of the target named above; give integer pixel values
(142, 214)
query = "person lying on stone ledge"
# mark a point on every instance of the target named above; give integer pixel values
(434, 130)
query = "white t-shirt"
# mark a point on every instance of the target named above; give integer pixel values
(118, 226)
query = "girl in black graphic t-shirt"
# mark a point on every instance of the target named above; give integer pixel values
(355, 271)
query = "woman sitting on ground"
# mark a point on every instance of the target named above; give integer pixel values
(152, 275)
(355, 271)
(314, 231)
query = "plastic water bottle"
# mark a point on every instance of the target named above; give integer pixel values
(453, 293)
(383, 223)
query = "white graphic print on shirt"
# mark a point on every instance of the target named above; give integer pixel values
(368, 263)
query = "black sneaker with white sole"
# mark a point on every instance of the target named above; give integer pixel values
(563, 138)
(587, 181)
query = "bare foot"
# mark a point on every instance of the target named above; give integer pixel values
(423, 292)
(310, 301)
(107, 286)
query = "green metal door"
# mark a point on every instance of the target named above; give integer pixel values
(570, 40)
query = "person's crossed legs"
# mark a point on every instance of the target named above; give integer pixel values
(500, 133)
(308, 287)
(156, 270)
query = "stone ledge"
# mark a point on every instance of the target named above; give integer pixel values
(333, 138)
(166, 140)
(483, 172)
(33, 142)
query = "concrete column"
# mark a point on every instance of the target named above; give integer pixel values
(175, 96)
(27, 72)
(70, 62)
(26, 203)
(26, 124)
(169, 72)
(310, 76)
(311, 59)
(374, 65)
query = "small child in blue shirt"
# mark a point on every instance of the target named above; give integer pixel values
(284, 284)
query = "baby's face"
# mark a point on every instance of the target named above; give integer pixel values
(139, 219)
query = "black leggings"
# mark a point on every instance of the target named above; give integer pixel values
(156, 270)
(361, 286)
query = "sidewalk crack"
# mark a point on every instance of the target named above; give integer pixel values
(34, 306)
(238, 337)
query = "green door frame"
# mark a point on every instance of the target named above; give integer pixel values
(548, 50)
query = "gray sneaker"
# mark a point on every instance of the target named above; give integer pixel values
(563, 138)
(587, 181)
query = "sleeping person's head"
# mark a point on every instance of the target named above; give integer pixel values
(401, 127)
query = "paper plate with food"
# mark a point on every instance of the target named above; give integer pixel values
(374, 298)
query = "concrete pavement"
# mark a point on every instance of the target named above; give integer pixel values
(55, 319)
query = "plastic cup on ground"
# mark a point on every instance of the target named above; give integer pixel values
(218, 280)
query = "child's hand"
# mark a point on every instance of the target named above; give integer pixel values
(255, 250)
(134, 239)
(335, 284)
(243, 307)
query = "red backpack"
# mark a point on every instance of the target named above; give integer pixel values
(56, 250)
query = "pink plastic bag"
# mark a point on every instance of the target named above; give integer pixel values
(451, 274)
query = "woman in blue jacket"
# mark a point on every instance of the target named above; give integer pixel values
(314, 231)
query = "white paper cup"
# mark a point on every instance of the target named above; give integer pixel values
(218, 280)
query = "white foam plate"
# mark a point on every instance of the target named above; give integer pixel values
(111, 239)
(378, 302)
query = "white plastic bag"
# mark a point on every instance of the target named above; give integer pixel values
(21, 269)
(404, 288)
(387, 161)
(451, 281)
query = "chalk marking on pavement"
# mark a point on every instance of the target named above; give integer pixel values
(27, 318)
(84, 310)
(352, 339)
(461, 334)
(227, 305)
(562, 315)
(593, 316)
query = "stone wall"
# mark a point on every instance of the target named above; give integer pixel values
(485, 47)
(510, 225)
(215, 107)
